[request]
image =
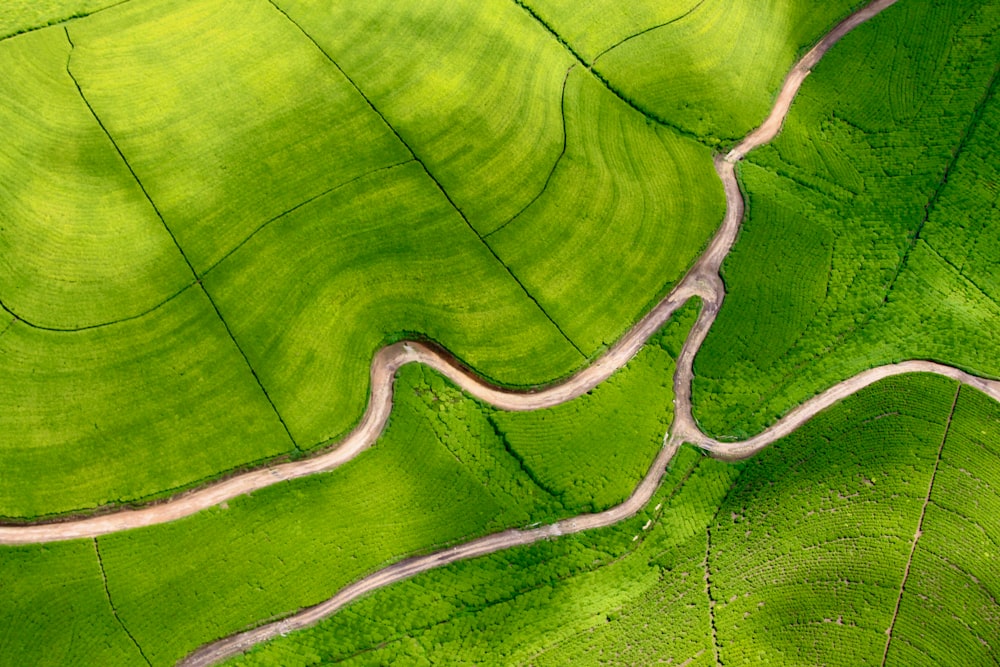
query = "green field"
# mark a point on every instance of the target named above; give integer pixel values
(447, 469)
(108, 415)
(17, 16)
(214, 213)
(72, 275)
(806, 549)
(872, 228)
(727, 61)
(226, 162)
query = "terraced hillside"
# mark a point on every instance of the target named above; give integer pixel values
(229, 229)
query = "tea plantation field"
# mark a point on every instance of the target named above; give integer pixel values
(247, 199)
(794, 557)
(447, 469)
(214, 213)
(873, 226)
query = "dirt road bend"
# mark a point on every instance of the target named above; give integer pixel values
(702, 281)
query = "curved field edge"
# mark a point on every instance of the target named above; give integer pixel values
(701, 280)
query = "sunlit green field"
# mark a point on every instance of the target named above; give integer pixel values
(213, 213)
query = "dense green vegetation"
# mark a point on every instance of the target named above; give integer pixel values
(213, 149)
(626, 194)
(592, 452)
(121, 412)
(228, 132)
(55, 610)
(314, 324)
(709, 67)
(213, 212)
(447, 469)
(948, 611)
(17, 16)
(726, 58)
(873, 221)
(806, 548)
(59, 165)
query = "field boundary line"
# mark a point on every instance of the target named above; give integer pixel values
(302, 203)
(642, 32)
(555, 165)
(180, 249)
(111, 603)
(99, 325)
(57, 22)
(920, 526)
(430, 175)
(604, 80)
(701, 281)
(914, 237)
(708, 591)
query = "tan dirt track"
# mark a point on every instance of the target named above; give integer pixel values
(701, 281)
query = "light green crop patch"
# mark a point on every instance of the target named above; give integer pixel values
(715, 71)
(373, 261)
(125, 412)
(80, 243)
(627, 210)
(17, 16)
(227, 113)
(473, 86)
(54, 609)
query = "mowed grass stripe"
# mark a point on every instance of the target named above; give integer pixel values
(383, 258)
(80, 244)
(226, 112)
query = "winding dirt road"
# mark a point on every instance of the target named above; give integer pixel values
(701, 281)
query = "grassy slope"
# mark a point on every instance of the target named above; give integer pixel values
(627, 194)
(604, 598)
(727, 61)
(77, 233)
(441, 473)
(835, 271)
(377, 258)
(86, 414)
